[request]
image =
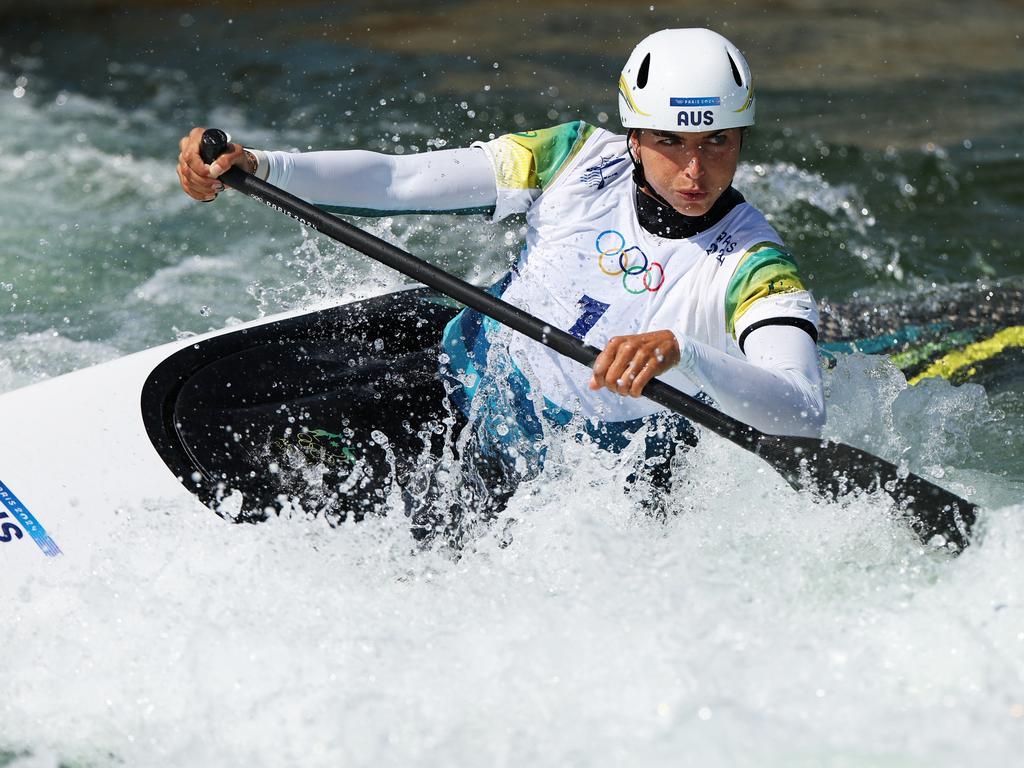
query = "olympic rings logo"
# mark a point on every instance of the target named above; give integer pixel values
(612, 243)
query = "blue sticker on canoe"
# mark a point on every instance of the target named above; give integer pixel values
(695, 101)
(11, 508)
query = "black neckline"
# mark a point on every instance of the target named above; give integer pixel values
(663, 221)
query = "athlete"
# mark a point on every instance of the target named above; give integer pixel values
(638, 244)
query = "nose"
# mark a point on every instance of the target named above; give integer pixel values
(695, 166)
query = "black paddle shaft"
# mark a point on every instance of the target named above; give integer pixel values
(826, 468)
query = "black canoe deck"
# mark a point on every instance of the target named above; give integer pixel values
(326, 408)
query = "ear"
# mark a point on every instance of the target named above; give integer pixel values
(633, 143)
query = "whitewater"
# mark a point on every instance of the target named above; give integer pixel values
(751, 626)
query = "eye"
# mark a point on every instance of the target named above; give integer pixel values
(668, 141)
(718, 140)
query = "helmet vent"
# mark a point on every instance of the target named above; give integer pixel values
(735, 70)
(645, 70)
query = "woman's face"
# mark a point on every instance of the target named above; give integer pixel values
(689, 170)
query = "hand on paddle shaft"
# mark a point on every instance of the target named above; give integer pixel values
(199, 180)
(827, 469)
(628, 363)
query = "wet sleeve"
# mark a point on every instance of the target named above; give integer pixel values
(766, 289)
(524, 164)
(374, 184)
(777, 388)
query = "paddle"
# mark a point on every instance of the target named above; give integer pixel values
(826, 468)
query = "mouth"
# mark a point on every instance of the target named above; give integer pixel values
(693, 195)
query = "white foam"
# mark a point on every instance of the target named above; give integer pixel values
(754, 622)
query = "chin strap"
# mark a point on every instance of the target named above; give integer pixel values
(638, 173)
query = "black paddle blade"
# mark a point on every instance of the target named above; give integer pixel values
(833, 470)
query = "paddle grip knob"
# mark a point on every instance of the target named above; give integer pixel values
(213, 144)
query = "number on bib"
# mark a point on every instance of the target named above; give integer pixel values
(592, 310)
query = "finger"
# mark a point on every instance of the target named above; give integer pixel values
(184, 181)
(636, 367)
(196, 186)
(202, 192)
(233, 156)
(615, 377)
(190, 152)
(603, 361)
(195, 181)
(199, 177)
(650, 369)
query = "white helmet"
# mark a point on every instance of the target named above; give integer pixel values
(683, 80)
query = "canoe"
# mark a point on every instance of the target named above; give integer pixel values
(339, 411)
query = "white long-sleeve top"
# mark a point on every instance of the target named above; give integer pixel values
(772, 383)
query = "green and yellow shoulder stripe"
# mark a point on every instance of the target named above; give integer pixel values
(526, 163)
(766, 269)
